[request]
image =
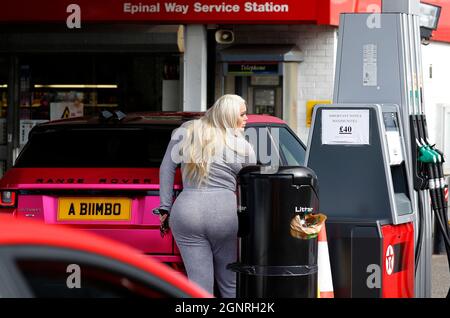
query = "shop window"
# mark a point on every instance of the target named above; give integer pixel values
(264, 101)
(61, 86)
(4, 67)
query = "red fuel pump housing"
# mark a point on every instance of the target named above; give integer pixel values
(398, 261)
(371, 259)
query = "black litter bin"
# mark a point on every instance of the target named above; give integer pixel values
(271, 261)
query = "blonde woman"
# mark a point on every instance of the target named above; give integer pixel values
(203, 217)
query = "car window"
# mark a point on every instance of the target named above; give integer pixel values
(275, 143)
(139, 147)
(53, 278)
(96, 148)
(262, 143)
(291, 149)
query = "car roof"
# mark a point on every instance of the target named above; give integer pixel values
(174, 118)
(25, 232)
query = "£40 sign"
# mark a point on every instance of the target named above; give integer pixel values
(345, 126)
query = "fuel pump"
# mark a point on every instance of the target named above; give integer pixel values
(384, 173)
(366, 192)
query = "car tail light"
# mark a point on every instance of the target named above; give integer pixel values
(7, 199)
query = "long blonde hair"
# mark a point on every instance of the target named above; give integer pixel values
(205, 138)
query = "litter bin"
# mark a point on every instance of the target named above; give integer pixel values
(272, 260)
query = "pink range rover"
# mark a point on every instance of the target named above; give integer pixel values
(102, 175)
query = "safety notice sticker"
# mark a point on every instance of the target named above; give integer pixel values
(370, 67)
(345, 127)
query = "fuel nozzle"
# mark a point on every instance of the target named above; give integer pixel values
(427, 155)
(440, 175)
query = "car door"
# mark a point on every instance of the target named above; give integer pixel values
(57, 272)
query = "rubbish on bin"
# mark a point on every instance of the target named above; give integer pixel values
(307, 226)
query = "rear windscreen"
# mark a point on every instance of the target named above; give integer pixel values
(96, 148)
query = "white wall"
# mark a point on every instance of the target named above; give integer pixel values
(435, 56)
(316, 72)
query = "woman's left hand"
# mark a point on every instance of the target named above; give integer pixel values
(164, 223)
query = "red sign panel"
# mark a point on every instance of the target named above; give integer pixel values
(339, 6)
(202, 11)
(163, 11)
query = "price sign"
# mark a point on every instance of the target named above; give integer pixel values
(345, 127)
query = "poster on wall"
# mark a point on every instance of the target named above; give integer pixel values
(62, 110)
(25, 128)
